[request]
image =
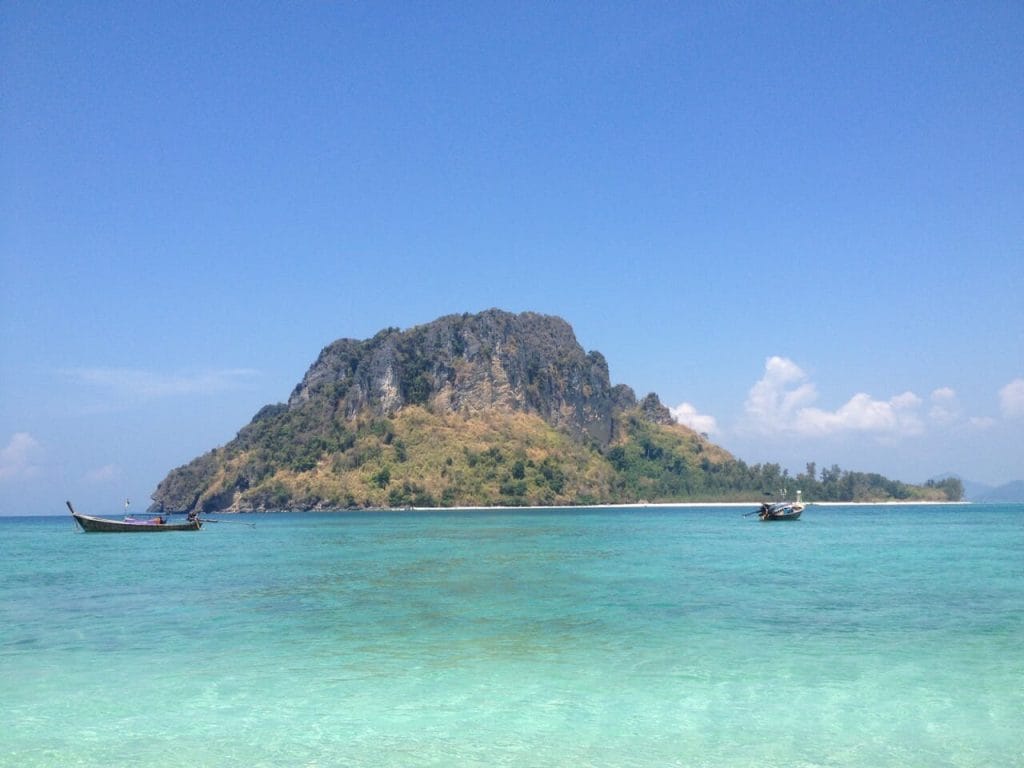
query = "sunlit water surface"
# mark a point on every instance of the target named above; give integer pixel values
(867, 636)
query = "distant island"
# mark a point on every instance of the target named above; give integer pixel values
(1012, 492)
(488, 409)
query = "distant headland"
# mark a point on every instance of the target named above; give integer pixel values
(479, 410)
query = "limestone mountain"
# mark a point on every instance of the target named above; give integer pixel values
(525, 363)
(468, 410)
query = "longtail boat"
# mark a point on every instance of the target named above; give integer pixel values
(782, 510)
(157, 524)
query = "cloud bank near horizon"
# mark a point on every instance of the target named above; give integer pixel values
(783, 401)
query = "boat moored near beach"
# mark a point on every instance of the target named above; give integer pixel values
(155, 524)
(782, 510)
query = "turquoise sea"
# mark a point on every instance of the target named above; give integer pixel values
(857, 636)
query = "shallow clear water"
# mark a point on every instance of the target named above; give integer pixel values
(867, 636)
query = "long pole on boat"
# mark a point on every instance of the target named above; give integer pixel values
(205, 520)
(748, 514)
(74, 516)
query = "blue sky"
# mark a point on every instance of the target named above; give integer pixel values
(800, 224)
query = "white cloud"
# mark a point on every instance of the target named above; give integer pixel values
(862, 413)
(104, 474)
(1011, 399)
(779, 394)
(945, 406)
(19, 458)
(687, 414)
(128, 384)
(781, 402)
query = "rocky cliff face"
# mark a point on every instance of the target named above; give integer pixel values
(472, 363)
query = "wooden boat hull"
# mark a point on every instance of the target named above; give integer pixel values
(793, 514)
(770, 513)
(91, 524)
(101, 525)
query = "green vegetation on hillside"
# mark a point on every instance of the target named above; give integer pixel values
(308, 458)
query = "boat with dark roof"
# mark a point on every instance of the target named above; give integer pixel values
(782, 510)
(155, 524)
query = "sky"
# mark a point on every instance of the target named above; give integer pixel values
(800, 224)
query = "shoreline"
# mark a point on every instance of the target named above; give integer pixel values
(636, 505)
(686, 504)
